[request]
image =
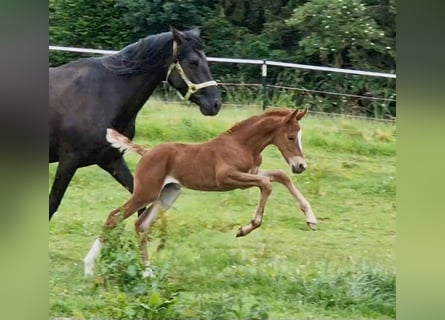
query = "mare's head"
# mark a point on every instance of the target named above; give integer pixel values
(190, 74)
(288, 140)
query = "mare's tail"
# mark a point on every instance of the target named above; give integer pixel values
(122, 143)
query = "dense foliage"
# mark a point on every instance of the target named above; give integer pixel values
(353, 34)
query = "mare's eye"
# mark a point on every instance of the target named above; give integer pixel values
(291, 138)
(194, 63)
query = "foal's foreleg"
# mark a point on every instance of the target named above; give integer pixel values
(245, 180)
(281, 177)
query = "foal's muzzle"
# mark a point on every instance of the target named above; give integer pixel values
(297, 164)
(298, 168)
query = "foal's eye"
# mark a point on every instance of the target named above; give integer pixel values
(194, 63)
(291, 138)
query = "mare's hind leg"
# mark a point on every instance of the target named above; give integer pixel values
(281, 177)
(65, 172)
(119, 170)
(168, 196)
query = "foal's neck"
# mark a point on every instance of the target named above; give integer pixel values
(257, 136)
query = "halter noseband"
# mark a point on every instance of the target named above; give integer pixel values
(192, 87)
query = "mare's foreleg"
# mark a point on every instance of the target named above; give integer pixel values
(64, 173)
(119, 170)
(281, 177)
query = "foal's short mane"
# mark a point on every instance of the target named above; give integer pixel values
(275, 112)
(147, 53)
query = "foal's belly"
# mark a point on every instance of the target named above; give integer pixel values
(200, 182)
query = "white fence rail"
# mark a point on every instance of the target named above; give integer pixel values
(248, 61)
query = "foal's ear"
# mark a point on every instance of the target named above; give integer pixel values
(301, 114)
(297, 114)
(292, 116)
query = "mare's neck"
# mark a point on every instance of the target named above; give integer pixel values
(141, 67)
(143, 85)
(140, 88)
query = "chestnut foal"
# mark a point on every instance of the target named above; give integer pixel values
(229, 161)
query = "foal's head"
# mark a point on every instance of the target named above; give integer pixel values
(288, 140)
(190, 74)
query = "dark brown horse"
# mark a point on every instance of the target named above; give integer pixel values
(229, 161)
(88, 96)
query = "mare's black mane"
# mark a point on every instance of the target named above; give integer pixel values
(137, 57)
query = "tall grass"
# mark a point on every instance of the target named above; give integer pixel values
(125, 294)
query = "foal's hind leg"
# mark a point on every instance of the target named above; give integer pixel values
(135, 203)
(168, 196)
(119, 170)
(281, 177)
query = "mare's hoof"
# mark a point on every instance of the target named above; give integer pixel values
(312, 225)
(240, 232)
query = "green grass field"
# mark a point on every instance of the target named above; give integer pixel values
(346, 269)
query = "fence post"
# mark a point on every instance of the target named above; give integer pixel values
(264, 83)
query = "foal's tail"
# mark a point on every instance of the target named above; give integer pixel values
(122, 143)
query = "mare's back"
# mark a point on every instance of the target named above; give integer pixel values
(82, 91)
(79, 102)
(72, 82)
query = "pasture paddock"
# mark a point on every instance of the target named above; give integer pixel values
(350, 183)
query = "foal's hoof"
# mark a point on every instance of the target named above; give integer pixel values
(88, 271)
(312, 225)
(147, 273)
(240, 232)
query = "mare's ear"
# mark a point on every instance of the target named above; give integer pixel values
(301, 114)
(178, 40)
(178, 36)
(196, 31)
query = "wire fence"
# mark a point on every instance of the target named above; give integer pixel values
(254, 100)
(329, 93)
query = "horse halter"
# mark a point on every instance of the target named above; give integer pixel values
(192, 87)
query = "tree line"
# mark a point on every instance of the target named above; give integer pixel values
(353, 34)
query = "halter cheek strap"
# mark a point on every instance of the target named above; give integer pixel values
(192, 87)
